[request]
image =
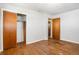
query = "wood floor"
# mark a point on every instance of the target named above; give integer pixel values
(45, 47)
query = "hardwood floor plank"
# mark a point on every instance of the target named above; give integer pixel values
(45, 47)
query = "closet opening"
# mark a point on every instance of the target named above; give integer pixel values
(21, 30)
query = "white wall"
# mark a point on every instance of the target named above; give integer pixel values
(20, 36)
(69, 25)
(36, 26)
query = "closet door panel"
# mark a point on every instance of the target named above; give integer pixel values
(13, 24)
(9, 29)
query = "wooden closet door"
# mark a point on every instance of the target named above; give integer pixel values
(56, 28)
(9, 30)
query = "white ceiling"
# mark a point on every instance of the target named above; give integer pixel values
(51, 8)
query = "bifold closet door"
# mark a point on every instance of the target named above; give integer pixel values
(9, 29)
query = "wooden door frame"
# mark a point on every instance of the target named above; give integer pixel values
(59, 26)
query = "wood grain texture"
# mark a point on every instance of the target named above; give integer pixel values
(45, 47)
(9, 30)
(56, 28)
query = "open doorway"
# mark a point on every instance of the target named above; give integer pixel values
(21, 30)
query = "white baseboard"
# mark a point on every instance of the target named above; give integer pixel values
(70, 41)
(35, 41)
